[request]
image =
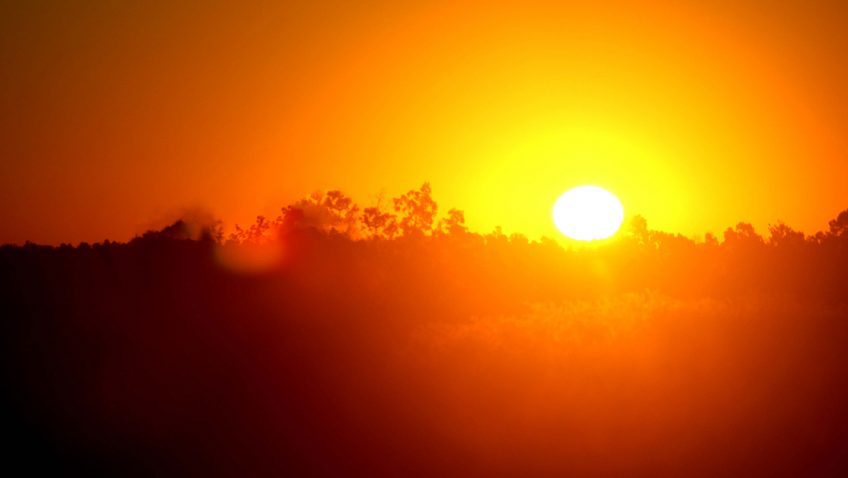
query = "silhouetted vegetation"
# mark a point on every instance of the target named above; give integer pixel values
(335, 340)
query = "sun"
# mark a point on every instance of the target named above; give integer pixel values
(588, 213)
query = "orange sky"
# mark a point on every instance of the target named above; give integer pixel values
(117, 118)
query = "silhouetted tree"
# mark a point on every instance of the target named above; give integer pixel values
(257, 232)
(839, 225)
(781, 235)
(416, 211)
(638, 230)
(379, 224)
(330, 211)
(743, 234)
(453, 224)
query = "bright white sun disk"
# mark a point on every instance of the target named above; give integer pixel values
(587, 213)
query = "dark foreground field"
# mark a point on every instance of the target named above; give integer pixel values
(443, 353)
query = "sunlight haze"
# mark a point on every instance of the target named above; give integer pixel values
(698, 116)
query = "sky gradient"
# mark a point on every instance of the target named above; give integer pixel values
(117, 118)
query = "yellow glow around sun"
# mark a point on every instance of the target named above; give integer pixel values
(587, 213)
